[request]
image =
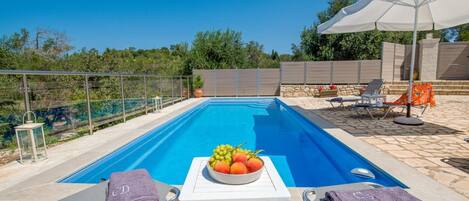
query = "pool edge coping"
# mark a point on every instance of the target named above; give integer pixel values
(420, 185)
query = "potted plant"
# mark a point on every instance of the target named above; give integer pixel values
(331, 91)
(198, 84)
(362, 90)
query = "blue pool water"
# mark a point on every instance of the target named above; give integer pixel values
(304, 154)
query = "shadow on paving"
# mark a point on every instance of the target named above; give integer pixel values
(458, 163)
(362, 124)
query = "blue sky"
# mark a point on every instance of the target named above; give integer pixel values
(155, 23)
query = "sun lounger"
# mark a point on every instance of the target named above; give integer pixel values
(98, 193)
(356, 192)
(319, 194)
(344, 99)
(369, 108)
(373, 88)
(422, 97)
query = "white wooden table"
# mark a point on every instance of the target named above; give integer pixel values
(199, 186)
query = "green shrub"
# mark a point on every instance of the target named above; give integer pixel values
(198, 82)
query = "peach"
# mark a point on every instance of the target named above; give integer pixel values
(254, 164)
(240, 157)
(238, 168)
(222, 166)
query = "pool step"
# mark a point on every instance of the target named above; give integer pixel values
(445, 87)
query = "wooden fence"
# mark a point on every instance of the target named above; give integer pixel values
(330, 72)
(266, 82)
(240, 82)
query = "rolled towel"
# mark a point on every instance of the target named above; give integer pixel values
(378, 194)
(134, 185)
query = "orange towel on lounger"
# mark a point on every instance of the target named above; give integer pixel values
(422, 94)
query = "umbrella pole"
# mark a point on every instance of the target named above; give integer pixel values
(412, 63)
(408, 120)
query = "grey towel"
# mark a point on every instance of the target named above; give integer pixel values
(134, 185)
(379, 194)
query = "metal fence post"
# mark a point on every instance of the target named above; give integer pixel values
(172, 90)
(281, 74)
(216, 82)
(237, 82)
(27, 106)
(159, 87)
(122, 97)
(145, 93)
(280, 79)
(181, 86)
(188, 78)
(393, 62)
(332, 72)
(257, 81)
(304, 74)
(359, 72)
(88, 105)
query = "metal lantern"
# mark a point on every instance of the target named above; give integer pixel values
(31, 140)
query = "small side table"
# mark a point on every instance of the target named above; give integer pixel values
(199, 186)
(158, 103)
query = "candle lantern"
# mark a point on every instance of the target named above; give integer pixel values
(31, 140)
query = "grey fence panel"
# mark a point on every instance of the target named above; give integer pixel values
(345, 72)
(453, 61)
(226, 82)
(269, 82)
(370, 69)
(293, 72)
(248, 82)
(318, 72)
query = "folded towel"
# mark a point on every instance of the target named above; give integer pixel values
(379, 194)
(134, 185)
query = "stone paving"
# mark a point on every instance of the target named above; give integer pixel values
(437, 149)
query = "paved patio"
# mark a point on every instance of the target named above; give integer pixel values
(437, 149)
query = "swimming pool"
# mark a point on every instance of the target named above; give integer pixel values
(304, 154)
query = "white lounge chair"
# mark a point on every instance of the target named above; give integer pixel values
(373, 88)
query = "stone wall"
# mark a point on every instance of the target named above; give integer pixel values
(312, 90)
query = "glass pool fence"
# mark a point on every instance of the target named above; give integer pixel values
(72, 104)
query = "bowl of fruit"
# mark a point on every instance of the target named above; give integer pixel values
(234, 165)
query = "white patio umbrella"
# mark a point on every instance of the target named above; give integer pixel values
(399, 15)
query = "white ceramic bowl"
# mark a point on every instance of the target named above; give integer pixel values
(234, 179)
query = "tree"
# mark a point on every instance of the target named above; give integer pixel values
(274, 55)
(225, 49)
(349, 46)
(216, 50)
(463, 32)
(254, 53)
